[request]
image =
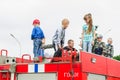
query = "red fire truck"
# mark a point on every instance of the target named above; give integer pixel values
(89, 67)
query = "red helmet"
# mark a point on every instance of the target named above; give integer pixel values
(36, 21)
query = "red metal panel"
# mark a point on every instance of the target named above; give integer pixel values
(22, 68)
(64, 72)
(84, 76)
(51, 67)
(4, 76)
(113, 68)
(77, 71)
(5, 67)
(0, 75)
(99, 67)
(112, 78)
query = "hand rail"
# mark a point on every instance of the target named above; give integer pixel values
(3, 50)
(24, 56)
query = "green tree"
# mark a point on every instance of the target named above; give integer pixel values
(117, 57)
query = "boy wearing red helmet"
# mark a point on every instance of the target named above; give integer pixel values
(38, 38)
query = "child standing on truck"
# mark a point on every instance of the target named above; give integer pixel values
(88, 34)
(109, 48)
(99, 46)
(38, 38)
(59, 36)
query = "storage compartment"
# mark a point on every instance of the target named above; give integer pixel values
(96, 77)
(37, 76)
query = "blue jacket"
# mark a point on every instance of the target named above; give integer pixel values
(37, 33)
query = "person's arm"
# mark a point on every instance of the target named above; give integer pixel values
(33, 34)
(94, 34)
(43, 41)
(104, 48)
(112, 51)
(43, 37)
(63, 41)
(59, 33)
(82, 35)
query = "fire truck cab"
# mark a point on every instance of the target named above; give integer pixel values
(89, 67)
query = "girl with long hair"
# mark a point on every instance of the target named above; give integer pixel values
(88, 34)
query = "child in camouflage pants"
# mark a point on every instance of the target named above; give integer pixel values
(109, 48)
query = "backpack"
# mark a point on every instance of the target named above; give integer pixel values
(98, 51)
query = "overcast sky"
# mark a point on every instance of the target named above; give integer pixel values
(16, 17)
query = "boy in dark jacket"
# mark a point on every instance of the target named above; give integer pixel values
(99, 47)
(38, 38)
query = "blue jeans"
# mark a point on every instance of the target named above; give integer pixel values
(37, 48)
(87, 46)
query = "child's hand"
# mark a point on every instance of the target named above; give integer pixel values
(43, 41)
(80, 44)
(60, 47)
(92, 43)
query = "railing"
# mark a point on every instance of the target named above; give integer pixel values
(26, 60)
(66, 56)
(4, 50)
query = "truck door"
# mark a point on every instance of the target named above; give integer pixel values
(37, 76)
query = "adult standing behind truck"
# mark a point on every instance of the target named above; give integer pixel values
(68, 48)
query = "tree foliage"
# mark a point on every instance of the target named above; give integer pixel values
(117, 57)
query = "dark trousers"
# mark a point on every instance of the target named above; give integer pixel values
(56, 45)
(99, 51)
